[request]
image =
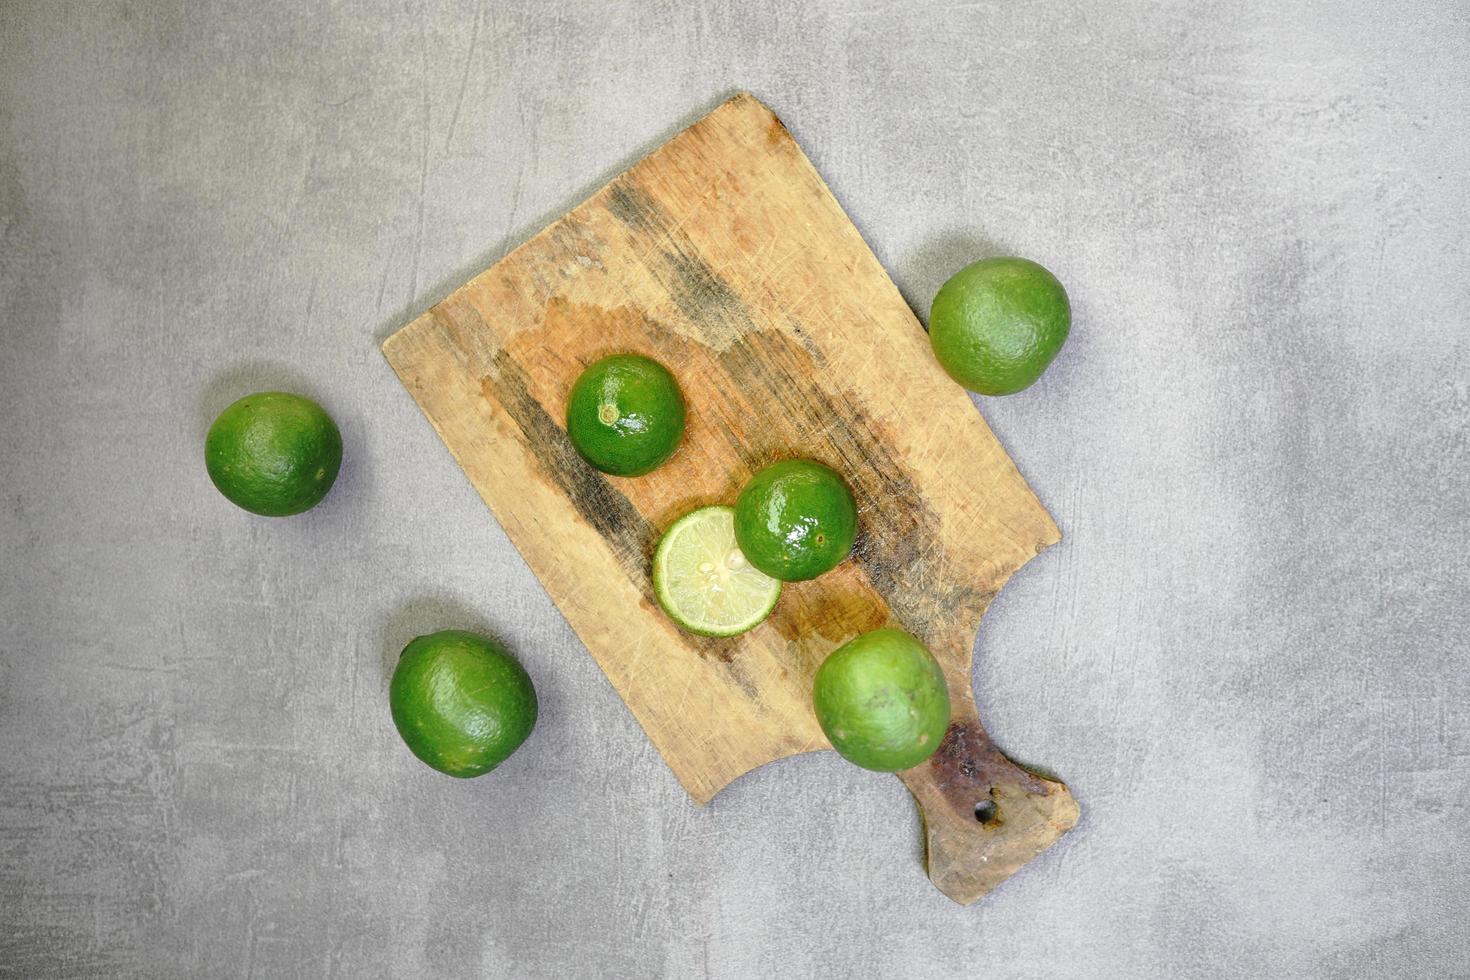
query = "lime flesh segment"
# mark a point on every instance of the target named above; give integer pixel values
(704, 582)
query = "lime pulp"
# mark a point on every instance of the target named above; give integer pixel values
(703, 580)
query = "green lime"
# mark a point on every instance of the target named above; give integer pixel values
(461, 702)
(703, 581)
(795, 520)
(882, 700)
(625, 414)
(273, 453)
(997, 324)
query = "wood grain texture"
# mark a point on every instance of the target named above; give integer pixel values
(724, 255)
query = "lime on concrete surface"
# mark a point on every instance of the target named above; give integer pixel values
(273, 453)
(461, 702)
(997, 324)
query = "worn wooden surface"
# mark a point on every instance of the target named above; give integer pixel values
(724, 255)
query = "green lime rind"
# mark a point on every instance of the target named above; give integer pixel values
(703, 581)
(625, 415)
(882, 701)
(273, 453)
(796, 519)
(461, 703)
(997, 324)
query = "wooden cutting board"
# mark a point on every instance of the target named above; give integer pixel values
(724, 255)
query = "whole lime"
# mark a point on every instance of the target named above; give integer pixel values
(882, 701)
(997, 324)
(625, 414)
(461, 702)
(795, 520)
(273, 453)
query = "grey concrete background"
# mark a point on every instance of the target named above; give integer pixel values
(1249, 656)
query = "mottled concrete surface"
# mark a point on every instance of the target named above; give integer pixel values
(1249, 657)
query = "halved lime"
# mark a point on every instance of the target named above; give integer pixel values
(704, 582)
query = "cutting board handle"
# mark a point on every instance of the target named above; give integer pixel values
(984, 816)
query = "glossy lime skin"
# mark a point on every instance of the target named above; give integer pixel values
(625, 414)
(882, 701)
(997, 324)
(273, 453)
(461, 702)
(795, 520)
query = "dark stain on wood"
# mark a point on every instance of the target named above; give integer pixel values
(968, 770)
(772, 410)
(611, 513)
(635, 208)
(790, 415)
(898, 544)
(721, 648)
(776, 133)
(700, 293)
(819, 359)
(772, 374)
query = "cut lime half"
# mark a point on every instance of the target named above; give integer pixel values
(704, 582)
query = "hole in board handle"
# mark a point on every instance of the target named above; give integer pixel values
(986, 811)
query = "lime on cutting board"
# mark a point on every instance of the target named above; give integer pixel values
(704, 582)
(796, 519)
(625, 414)
(882, 700)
